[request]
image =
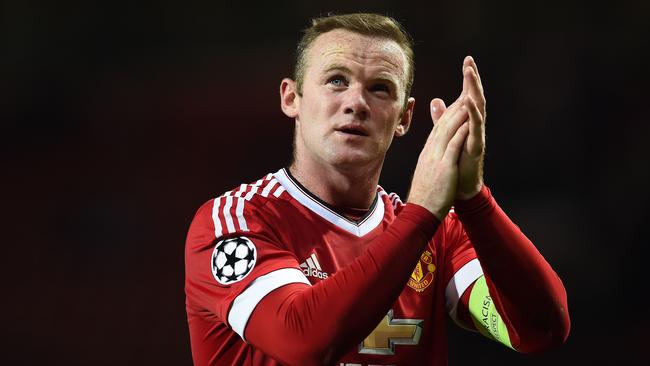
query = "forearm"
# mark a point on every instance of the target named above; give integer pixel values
(527, 292)
(345, 307)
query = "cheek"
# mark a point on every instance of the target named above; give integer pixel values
(320, 105)
(329, 104)
(391, 121)
(318, 115)
(390, 127)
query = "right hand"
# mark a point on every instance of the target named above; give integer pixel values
(435, 180)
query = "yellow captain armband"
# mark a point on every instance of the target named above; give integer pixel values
(484, 314)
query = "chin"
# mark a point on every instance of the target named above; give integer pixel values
(353, 160)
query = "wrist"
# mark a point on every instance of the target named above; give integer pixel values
(420, 216)
(437, 209)
(481, 200)
(470, 192)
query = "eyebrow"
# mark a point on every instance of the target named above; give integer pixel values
(342, 68)
(338, 67)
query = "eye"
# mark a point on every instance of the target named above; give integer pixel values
(380, 87)
(337, 81)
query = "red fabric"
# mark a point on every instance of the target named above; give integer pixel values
(338, 307)
(527, 292)
(356, 279)
(289, 235)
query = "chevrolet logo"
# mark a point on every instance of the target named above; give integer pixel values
(390, 332)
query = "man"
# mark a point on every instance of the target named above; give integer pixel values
(316, 264)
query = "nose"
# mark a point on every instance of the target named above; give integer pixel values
(355, 103)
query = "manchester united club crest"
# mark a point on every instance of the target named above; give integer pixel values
(422, 275)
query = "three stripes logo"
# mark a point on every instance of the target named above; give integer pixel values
(311, 267)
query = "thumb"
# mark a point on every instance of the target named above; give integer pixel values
(437, 109)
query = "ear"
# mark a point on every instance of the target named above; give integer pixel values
(405, 120)
(289, 98)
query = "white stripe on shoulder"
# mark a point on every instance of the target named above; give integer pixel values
(235, 191)
(260, 184)
(242, 189)
(245, 303)
(267, 189)
(215, 217)
(278, 191)
(223, 205)
(254, 188)
(395, 200)
(227, 216)
(240, 214)
(462, 279)
(239, 210)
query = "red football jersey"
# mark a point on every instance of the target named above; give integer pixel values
(254, 239)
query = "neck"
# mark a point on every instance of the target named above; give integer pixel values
(352, 188)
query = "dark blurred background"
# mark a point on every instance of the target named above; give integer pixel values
(120, 118)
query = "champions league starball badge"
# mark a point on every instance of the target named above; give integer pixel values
(233, 259)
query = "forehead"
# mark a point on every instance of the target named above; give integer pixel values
(356, 50)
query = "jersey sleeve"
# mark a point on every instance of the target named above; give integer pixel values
(234, 258)
(462, 267)
(523, 287)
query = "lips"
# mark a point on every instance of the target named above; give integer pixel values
(353, 129)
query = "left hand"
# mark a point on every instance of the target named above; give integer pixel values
(470, 163)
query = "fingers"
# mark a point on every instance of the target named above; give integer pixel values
(470, 62)
(475, 140)
(472, 85)
(474, 89)
(437, 109)
(475, 117)
(455, 146)
(448, 125)
(470, 106)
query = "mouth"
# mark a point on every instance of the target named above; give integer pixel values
(353, 130)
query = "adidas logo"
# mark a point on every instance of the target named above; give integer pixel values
(311, 267)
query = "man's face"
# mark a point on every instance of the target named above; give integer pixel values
(352, 100)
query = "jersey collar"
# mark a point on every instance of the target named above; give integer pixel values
(361, 228)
